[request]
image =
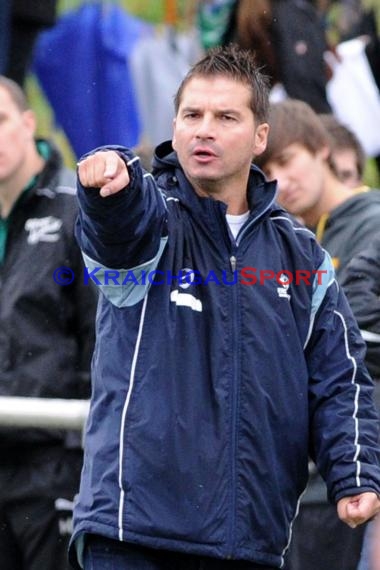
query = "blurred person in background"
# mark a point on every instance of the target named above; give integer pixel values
(46, 338)
(347, 156)
(345, 220)
(288, 39)
(27, 18)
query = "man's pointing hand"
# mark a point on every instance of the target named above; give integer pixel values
(104, 170)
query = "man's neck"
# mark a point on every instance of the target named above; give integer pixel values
(234, 198)
(12, 188)
(335, 193)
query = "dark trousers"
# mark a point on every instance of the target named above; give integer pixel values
(37, 487)
(320, 541)
(105, 554)
(34, 535)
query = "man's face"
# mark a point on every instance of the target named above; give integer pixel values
(215, 135)
(16, 132)
(300, 176)
(346, 167)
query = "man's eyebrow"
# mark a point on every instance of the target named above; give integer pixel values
(227, 111)
(190, 108)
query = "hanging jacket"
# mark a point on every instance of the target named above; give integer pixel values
(210, 389)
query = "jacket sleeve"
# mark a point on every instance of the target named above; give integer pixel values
(364, 232)
(126, 232)
(344, 424)
(361, 283)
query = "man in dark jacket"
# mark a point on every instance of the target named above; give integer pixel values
(225, 353)
(46, 338)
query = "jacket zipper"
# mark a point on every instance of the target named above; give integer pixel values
(235, 389)
(234, 408)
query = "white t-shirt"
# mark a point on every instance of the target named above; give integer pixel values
(236, 222)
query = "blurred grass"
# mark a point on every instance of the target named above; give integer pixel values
(151, 10)
(371, 174)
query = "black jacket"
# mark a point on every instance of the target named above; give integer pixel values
(361, 282)
(46, 329)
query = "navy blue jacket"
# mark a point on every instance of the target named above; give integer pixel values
(208, 397)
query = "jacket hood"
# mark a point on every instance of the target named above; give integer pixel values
(164, 157)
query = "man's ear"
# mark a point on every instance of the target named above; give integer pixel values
(30, 122)
(261, 139)
(173, 137)
(324, 152)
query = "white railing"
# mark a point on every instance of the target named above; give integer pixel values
(43, 412)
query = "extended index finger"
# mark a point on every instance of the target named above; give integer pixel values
(113, 165)
(91, 170)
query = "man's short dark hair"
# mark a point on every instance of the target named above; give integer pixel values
(237, 64)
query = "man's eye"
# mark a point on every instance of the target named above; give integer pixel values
(283, 160)
(345, 175)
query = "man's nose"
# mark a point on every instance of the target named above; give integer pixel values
(206, 128)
